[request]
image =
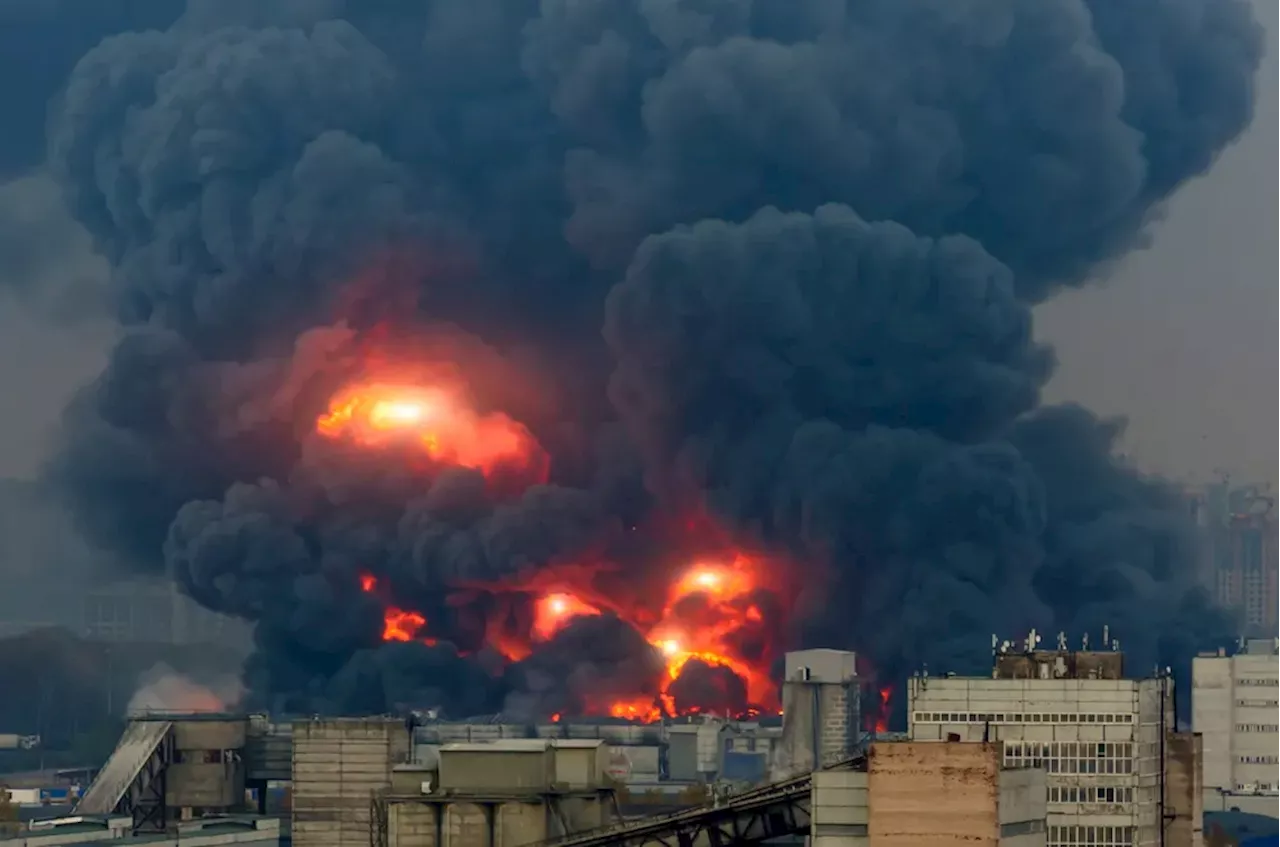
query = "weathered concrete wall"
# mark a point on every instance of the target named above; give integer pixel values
(338, 766)
(820, 725)
(1184, 789)
(923, 794)
(518, 824)
(205, 785)
(231, 734)
(838, 809)
(413, 825)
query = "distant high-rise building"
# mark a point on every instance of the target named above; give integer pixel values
(1239, 561)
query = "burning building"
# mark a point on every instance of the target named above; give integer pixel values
(585, 357)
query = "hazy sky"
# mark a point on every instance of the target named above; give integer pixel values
(1182, 339)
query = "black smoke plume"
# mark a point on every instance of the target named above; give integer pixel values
(813, 232)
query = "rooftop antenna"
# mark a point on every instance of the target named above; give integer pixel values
(1106, 636)
(1006, 646)
(995, 645)
(1062, 642)
(1084, 643)
(1115, 645)
(1033, 638)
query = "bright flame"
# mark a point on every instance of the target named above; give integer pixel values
(712, 614)
(397, 624)
(437, 421)
(882, 714)
(553, 612)
(708, 610)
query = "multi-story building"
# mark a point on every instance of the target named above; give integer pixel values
(1239, 557)
(1235, 700)
(1101, 737)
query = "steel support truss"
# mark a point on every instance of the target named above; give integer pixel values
(144, 801)
(789, 816)
(750, 820)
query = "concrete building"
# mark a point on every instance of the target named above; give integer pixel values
(1234, 704)
(929, 795)
(497, 794)
(97, 831)
(339, 765)
(169, 768)
(1101, 738)
(820, 702)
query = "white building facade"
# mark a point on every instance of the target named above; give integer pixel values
(1099, 739)
(1234, 705)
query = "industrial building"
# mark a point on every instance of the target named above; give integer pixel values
(1235, 700)
(895, 794)
(820, 699)
(237, 831)
(417, 782)
(1107, 742)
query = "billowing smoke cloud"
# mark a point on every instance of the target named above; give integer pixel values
(813, 232)
(162, 689)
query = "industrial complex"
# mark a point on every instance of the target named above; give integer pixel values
(1055, 748)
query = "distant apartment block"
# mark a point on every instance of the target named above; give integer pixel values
(1239, 562)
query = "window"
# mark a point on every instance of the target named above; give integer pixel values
(1071, 757)
(1016, 718)
(1090, 836)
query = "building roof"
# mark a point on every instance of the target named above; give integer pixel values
(499, 745)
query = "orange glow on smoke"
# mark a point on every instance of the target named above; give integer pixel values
(710, 613)
(397, 624)
(553, 612)
(709, 608)
(882, 712)
(437, 421)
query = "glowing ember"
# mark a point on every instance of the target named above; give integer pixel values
(435, 420)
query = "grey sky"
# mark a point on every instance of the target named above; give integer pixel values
(1182, 339)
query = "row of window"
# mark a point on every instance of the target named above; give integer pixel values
(1070, 757)
(1260, 760)
(1090, 836)
(1255, 787)
(1020, 717)
(1258, 704)
(1258, 681)
(1256, 727)
(1090, 794)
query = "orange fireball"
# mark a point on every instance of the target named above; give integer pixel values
(434, 419)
